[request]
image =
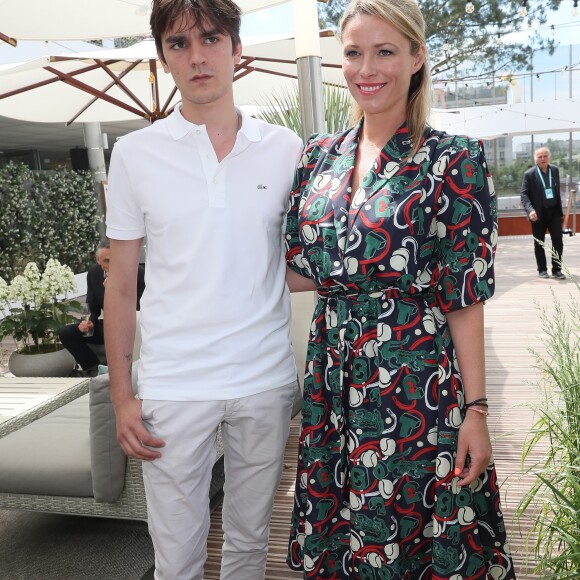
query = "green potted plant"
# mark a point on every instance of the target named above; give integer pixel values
(35, 306)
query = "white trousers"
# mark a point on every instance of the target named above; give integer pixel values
(254, 433)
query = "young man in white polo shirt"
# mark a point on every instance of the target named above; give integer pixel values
(208, 186)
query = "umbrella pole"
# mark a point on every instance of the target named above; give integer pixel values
(311, 95)
(309, 62)
(94, 145)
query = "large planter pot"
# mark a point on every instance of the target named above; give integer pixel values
(50, 364)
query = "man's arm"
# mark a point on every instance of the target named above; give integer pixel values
(120, 300)
(557, 184)
(93, 302)
(526, 199)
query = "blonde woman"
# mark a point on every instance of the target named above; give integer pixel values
(394, 224)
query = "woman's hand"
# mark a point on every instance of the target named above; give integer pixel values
(474, 443)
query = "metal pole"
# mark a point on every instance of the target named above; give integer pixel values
(570, 143)
(94, 145)
(308, 61)
(573, 194)
(532, 95)
(311, 95)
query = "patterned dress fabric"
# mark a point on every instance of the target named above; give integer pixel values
(376, 497)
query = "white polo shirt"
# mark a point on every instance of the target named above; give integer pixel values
(215, 314)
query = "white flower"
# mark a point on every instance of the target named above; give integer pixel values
(3, 290)
(57, 279)
(44, 296)
(20, 290)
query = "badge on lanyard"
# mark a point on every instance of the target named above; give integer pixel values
(548, 191)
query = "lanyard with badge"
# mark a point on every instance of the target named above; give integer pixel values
(548, 190)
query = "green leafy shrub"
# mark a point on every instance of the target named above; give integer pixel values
(16, 211)
(68, 212)
(46, 215)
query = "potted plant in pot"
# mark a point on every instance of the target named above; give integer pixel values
(34, 307)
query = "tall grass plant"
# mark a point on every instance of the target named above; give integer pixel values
(283, 108)
(552, 505)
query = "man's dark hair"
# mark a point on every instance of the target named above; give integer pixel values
(223, 16)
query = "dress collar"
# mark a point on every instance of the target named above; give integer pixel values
(398, 146)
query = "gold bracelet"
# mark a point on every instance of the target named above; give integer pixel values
(481, 411)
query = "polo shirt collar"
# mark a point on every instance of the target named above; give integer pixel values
(179, 126)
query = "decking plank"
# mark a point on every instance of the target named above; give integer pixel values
(512, 327)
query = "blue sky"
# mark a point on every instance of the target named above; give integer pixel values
(274, 20)
(550, 84)
(279, 19)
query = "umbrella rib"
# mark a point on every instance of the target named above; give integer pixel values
(267, 59)
(117, 81)
(168, 101)
(68, 79)
(250, 59)
(154, 84)
(46, 82)
(247, 70)
(95, 99)
(9, 40)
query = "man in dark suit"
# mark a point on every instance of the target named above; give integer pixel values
(540, 196)
(77, 337)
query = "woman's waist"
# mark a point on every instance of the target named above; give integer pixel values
(376, 302)
(379, 293)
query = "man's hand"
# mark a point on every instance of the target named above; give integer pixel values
(86, 326)
(533, 216)
(132, 435)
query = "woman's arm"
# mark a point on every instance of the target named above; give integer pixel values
(466, 327)
(298, 283)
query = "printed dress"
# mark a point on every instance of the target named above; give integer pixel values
(376, 498)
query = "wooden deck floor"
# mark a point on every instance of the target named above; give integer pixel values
(512, 326)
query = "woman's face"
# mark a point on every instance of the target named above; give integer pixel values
(378, 65)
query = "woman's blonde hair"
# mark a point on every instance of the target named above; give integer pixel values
(406, 17)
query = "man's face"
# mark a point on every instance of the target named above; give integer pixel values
(201, 61)
(542, 159)
(103, 259)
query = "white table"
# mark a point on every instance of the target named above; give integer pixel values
(25, 399)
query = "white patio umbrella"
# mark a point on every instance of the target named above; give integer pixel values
(493, 121)
(85, 19)
(128, 83)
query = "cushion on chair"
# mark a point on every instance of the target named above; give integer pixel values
(51, 455)
(108, 461)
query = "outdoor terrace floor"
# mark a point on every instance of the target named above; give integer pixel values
(512, 328)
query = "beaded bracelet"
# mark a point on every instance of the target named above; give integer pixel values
(481, 411)
(478, 402)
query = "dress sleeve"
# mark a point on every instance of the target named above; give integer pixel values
(466, 228)
(294, 254)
